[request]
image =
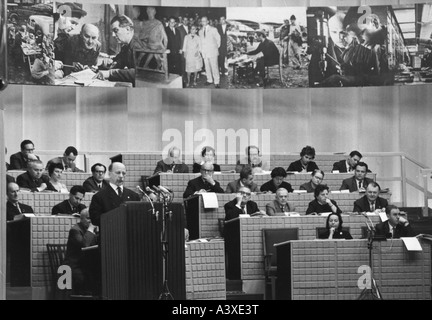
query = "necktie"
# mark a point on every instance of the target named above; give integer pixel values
(244, 209)
(372, 207)
(205, 31)
(173, 30)
(119, 192)
(18, 207)
(359, 184)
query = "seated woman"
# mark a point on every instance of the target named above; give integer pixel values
(55, 171)
(278, 176)
(322, 203)
(317, 178)
(208, 154)
(334, 228)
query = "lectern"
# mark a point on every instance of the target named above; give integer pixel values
(131, 249)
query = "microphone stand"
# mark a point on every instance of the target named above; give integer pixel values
(166, 294)
(373, 292)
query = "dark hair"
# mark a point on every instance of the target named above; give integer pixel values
(245, 172)
(317, 170)
(320, 188)
(124, 21)
(308, 150)
(339, 229)
(54, 166)
(75, 189)
(293, 17)
(207, 148)
(361, 164)
(70, 150)
(23, 144)
(355, 153)
(278, 172)
(390, 207)
(374, 185)
(93, 168)
(172, 17)
(251, 147)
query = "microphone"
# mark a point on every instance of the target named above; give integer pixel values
(150, 190)
(166, 190)
(157, 189)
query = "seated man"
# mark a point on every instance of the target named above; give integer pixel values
(81, 235)
(278, 176)
(371, 202)
(241, 204)
(253, 159)
(396, 226)
(34, 179)
(97, 181)
(172, 163)
(203, 183)
(305, 163)
(19, 160)
(15, 209)
(348, 165)
(317, 178)
(68, 160)
(358, 182)
(280, 204)
(73, 204)
(246, 180)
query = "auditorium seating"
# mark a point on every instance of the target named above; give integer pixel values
(69, 178)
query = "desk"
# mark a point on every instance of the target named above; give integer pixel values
(325, 269)
(70, 81)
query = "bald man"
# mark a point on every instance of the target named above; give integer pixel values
(113, 195)
(14, 208)
(82, 50)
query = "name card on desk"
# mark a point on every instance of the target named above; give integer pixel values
(412, 244)
(210, 200)
(299, 191)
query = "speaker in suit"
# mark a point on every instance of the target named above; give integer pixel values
(14, 209)
(222, 28)
(210, 43)
(352, 184)
(363, 204)
(174, 42)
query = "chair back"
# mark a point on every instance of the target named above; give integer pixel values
(320, 230)
(273, 236)
(56, 255)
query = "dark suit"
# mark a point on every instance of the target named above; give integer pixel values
(308, 187)
(18, 162)
(383, 229)
(315, 206)
(174, 57)
(336, 235)
(234, 187)
(362, 204)
(352, 184)
(79, 237)
(183, 33)
(197, 184)
(65, 207)
(90, 185)
(108, 199)
(270, 186)
(232, 211)
(223, 47)
(26, 181)
(12, 210)
(340, 166)
(296, 166)
(270, 53)
(162, 166)
(60, 160)
(197, 167)
(9, 179)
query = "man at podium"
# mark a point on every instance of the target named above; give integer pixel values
(113, 196)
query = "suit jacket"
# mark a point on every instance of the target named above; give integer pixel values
(9, 179)
(269, 186)
(18, 162)
(351, 184)
(197, 167)
(65, 207)
(383, 229)
(234, 187)
(24, 180)
(296, 166)
(79, 237)
(197, 184)
(90, 185)
(315, 206)
(340, 166)
(269, 50)
(174, 40)
(264, 165)
(224, 39)
(183, 33)
(232, 211)
(210, 43)
(162, 166)
(12, 211)
(60, 160)
(308, 187)
(362, 204)
(106, 200)
(337, 235)
(275, 209)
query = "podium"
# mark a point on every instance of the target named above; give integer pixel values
(131, 252)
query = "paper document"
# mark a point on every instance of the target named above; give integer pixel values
(210, 200)
(325, 214)
(299, 191)
(383, 216)
(412, 244)
(84, 76)
(29, 215)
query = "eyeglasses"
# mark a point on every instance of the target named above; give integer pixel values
(207, 171)
(100, 171)
(29, 150)
(245, 193)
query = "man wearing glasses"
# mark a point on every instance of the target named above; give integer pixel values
(97, 181)
(203, 183)
(242, 204)
(19, 160)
